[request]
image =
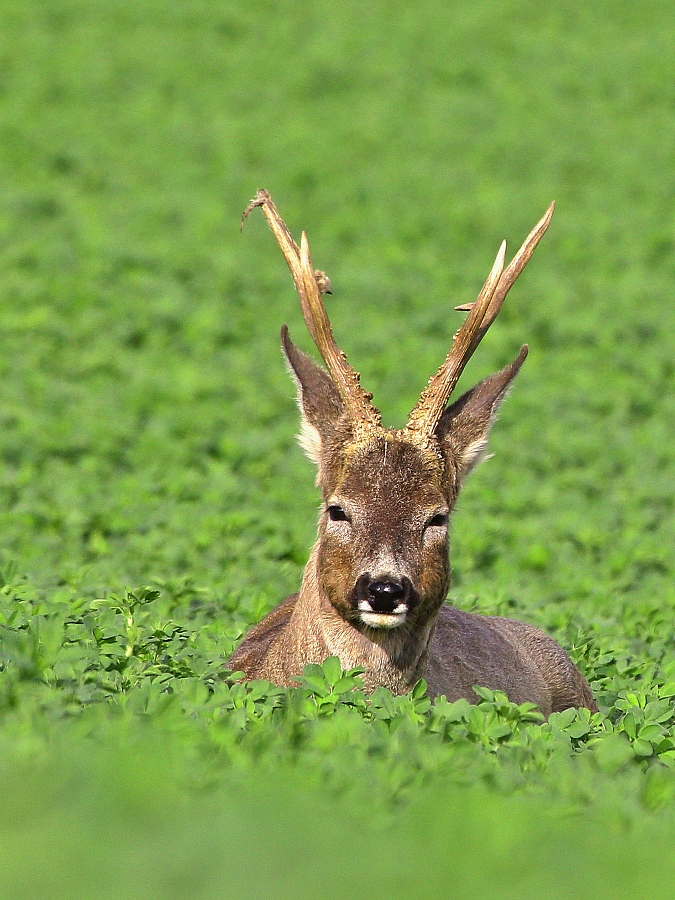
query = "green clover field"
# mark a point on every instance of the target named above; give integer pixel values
(153, 500)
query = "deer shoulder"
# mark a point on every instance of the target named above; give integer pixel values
(257, 654)
(373, 592)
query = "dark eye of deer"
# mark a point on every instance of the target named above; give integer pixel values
(440, 520)
(337, 514)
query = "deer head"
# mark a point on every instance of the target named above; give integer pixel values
(382, 552)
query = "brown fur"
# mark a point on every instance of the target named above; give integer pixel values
(386, 498)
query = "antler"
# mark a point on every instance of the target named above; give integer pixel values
(310, 285)
(429, 408)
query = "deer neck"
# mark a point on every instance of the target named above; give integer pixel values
(393, 658)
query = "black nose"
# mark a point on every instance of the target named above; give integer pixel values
(385, 595)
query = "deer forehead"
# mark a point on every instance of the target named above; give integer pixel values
(391, 469)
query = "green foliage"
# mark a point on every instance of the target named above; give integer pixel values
(72, 659)
(147, 439)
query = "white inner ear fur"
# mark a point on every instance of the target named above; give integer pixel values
(309, 437)
(310, 440)
(472, 455)
(474, 452)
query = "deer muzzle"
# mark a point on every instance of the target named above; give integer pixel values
(383, 600)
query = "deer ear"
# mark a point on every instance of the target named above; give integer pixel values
(320, 405)
(464, 426)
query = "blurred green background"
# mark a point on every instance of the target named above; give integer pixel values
(147, 425)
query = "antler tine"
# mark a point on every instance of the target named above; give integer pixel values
(482, 314)
(310, 285)
(514, 269)
(346, 380)
(431, 404)
(290, 250)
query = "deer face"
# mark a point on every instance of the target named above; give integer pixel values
(382, 553)
(383, 532)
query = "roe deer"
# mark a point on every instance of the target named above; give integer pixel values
(374, 588)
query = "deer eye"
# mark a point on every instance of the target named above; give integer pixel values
(440, 520)
(337, 514)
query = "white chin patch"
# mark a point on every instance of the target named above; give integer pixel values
(382, 620)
